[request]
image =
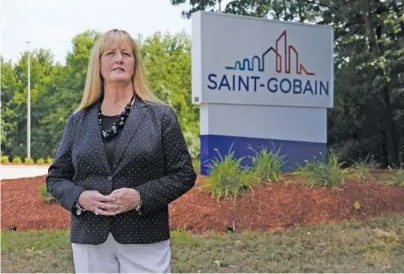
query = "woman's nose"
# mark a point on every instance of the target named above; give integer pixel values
(118, 57)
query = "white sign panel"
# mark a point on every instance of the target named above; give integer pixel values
(248, 60)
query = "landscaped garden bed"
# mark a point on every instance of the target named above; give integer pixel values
(268, 206)
(320, 218)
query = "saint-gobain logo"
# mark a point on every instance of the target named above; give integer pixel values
(283, 54)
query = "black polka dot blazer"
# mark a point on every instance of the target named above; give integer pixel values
(151, 156)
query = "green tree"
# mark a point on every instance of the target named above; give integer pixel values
(290, 10)
(8, 88)
(56, 91)
(14, 110)
(368, 117)
(64, 92)
(369, 65)
(167, 59)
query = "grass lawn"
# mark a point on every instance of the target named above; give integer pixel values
(376, 245)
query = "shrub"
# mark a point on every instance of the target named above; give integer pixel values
(228, 178)
(28, 160)
(325, 174)
(16, 160)
(267, 165)
(363, 166)
(397, 179)
(197, 165)
(40, 161)
(5, 159)
(193, 142)
(49, 160)
(47, 197)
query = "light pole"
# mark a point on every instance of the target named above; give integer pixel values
(29, 105)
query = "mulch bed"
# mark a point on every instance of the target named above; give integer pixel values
(268, 207)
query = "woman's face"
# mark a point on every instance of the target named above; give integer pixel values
(117, 64)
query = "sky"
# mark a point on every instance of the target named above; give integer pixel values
(52, 24)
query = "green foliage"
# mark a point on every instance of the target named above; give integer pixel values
(367, 117)
(17, 160)
(291, 10)
(14, 104)
(327, 173)
(196, 164)
(363, 166)
(397, 178)
(369, 58)
(5, 159)
(370, 246)
(28, 160)
(228, 177)
(40, 161)
(267, 164)
(368, 89)
(168, 61)
(49, 160)
(168, 65)
(46, 196)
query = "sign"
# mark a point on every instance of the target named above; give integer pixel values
(261, 84)
(254, 61)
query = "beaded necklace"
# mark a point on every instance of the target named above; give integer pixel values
(118, 125)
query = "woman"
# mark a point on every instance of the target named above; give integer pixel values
(121, 161)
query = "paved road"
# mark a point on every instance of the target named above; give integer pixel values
(21, 171)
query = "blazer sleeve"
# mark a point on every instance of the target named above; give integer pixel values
(179, 176)
(60, 173)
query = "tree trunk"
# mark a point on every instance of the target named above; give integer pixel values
(376, 49)
(390, 129)
(384, 154)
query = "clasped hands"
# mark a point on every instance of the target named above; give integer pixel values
(119, 201)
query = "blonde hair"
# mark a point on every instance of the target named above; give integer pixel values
(93, 85)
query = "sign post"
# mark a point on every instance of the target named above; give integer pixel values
(261, 84)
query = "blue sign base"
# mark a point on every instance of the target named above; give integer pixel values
(295, 152)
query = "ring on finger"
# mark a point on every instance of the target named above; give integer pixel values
(96, 212)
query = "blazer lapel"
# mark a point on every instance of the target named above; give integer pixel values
(95, 136)
(136, 115)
